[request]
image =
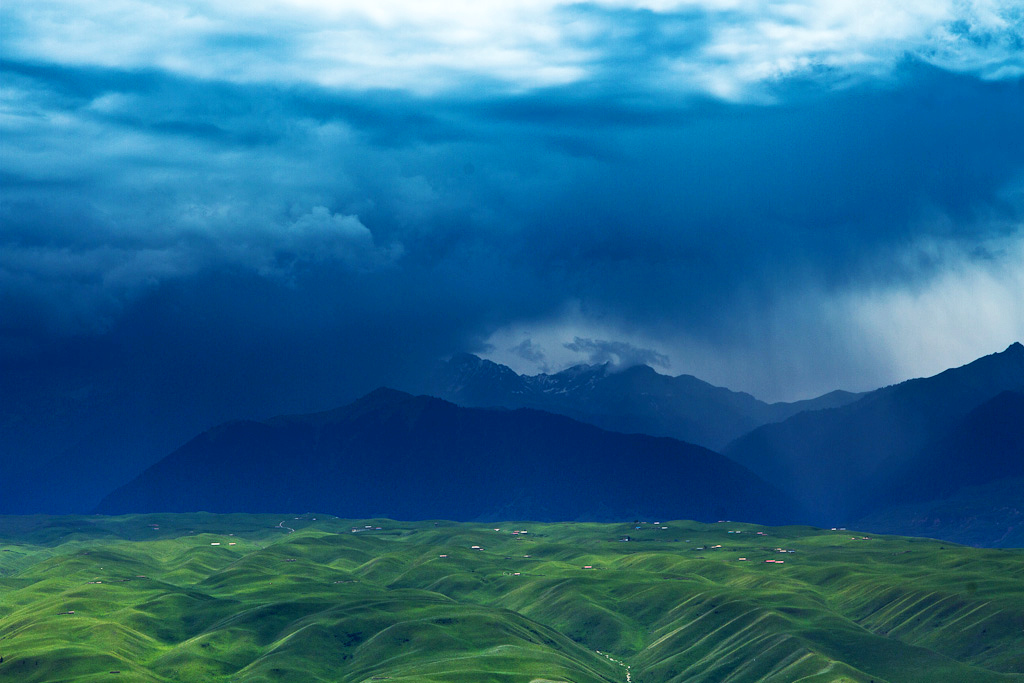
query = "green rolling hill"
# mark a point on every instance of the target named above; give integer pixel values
(181, 598)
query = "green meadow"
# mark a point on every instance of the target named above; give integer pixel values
(250, 598)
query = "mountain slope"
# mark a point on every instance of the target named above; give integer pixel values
(632, 400)
(841, 460)
(393, 454)
(966, 486)
(985, 446)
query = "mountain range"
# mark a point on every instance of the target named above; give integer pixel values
(391, 454)
(634, 399)
(940, 456)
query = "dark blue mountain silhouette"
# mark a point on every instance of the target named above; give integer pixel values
(416, 457)
(985, 446)
(845, 461)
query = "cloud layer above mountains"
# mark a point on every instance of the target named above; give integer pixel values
(281, 205)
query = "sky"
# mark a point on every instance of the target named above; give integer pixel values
(214, 210)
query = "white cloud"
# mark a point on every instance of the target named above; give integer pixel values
(433, 46)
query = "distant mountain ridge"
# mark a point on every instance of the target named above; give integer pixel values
(395, 455)
(637, 399)
(897, 442)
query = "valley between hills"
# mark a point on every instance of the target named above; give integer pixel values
(190, 598)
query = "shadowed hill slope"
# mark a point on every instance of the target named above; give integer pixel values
(967, 486)
(840, 461)
(985, 446)
(393, 454)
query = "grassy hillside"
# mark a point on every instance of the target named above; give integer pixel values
(248, 598)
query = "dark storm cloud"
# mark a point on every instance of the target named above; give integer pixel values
(753, 199)
(664, 211)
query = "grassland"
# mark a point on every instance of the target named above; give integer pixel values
(251, 598)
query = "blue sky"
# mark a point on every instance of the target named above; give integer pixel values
(279, 206)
